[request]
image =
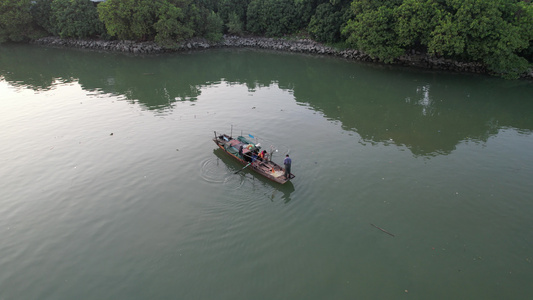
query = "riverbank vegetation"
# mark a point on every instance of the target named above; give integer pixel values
(495, 33)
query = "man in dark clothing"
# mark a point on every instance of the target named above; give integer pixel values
(240, 151)
(287, 162)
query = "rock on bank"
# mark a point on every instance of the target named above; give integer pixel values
(295, 45)
(102, 45)
(301, 45)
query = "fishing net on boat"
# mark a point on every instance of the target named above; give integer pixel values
(244, 140)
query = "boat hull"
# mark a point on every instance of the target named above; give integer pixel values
(266, 168)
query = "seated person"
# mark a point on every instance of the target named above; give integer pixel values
(263, 155)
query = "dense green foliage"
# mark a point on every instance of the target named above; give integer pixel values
(41, 12)
(495, 33)
(165, 21)
(485, 31)
(130, 19)
(171, 24)
(75, 18)
(373, 31)
(16, 22)
(328, 19)
(233, 14)
(272, 17)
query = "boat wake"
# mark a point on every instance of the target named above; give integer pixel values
(213, 170)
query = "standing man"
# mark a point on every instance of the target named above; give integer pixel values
(287, 162)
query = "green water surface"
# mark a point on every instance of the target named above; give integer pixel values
(112, 188)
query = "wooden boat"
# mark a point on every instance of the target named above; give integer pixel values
(250, 157)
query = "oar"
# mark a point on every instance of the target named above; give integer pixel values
(243, 168)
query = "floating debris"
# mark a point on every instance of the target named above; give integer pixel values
(383, 230)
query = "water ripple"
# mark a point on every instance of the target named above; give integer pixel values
(213, 170)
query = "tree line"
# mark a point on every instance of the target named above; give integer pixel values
(496, 33)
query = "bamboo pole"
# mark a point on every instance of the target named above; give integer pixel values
(383, 230)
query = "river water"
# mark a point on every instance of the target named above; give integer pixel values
(112, 188)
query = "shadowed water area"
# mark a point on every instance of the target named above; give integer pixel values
(112, 188)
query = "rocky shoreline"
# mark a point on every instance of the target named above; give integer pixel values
(296, 45)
